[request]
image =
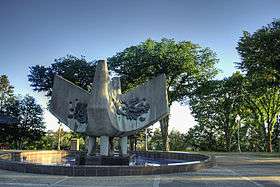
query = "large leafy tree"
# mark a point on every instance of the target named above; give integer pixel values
(265, 109)
(260, 57)
(185, 65)
(77, 70)
(215, 105)
(260, 60)
(30, 127)
(8, 107)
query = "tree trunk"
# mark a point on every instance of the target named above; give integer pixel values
(227, 138)
(264, 137)
(164, 122)
(227, 133)
(269, 136)
(269, 142)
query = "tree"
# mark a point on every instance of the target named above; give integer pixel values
(77, 70)
(50, 140)
(215, 105)
(266, 109)
(205, 137)
(276, 135)
(260, 55)
(6, 92)
(260, 61)
(155, 142)
(178, 141)
(185, 65)
(8, 107)
(31, 126)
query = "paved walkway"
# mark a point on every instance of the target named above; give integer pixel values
(232, 170)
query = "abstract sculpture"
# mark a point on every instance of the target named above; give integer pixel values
(106, 112)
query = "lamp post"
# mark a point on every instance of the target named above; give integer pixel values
(59, 136)
(237, 121)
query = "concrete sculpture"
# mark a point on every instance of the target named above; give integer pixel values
(106, 112)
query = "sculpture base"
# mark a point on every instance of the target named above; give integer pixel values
(107, 160)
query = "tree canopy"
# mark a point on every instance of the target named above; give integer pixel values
(253, 95)
(77, 70)
(29, 127)
(215, 105)
(186, 65)
(260, 58)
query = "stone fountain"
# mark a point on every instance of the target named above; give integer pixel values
(107, 113)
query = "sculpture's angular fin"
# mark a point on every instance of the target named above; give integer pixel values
(69, 104)
(143, 106)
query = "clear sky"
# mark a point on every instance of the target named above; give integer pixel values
(36, 31)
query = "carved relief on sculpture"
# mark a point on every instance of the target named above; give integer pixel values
(77, 118)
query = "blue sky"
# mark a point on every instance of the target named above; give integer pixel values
(36, 31)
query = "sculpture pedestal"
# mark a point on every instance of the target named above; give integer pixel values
(107, 160)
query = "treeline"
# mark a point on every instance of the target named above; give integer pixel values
(252, 96)
(59, 140)
(237, 113)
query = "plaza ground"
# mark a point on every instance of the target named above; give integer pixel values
(232, 169)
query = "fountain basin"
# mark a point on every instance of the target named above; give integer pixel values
(62, 163)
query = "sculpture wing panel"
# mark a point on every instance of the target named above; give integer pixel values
(143, 106)
(69, 104)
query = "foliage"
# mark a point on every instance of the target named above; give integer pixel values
(29, 127)
(138, 140)
(260, 60)
(185, 65)
(6, 89)
(215, 105)
(155, 142)
(50, 141)
(266, 109)
(8, 106)
(260, 55)
(276, 136)
(77, 70)
(254, 96)
(178, 141)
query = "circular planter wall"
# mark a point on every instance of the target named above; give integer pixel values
(193, 162)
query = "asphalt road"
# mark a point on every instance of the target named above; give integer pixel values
(232, 170)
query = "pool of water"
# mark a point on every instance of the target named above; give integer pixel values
(61, 158)
(141, 160)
